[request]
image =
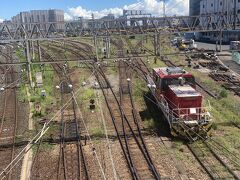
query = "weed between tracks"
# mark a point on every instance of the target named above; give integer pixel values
(20, 54)
(223, 109)
(43, 147)
(48, 85)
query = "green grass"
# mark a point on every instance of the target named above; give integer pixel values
(86, 95)
(44, 146)
(20, 54)
(48, 86)
(22, 93)
(138, 88)
(158, 63)
(225, 108)
(178, 147)
(97, 132)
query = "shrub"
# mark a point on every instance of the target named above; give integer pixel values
(214, 126)
(223, 93)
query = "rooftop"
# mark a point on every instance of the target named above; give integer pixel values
(166, 71)
(184, 91)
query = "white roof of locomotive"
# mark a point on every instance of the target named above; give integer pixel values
(170, 70)
(184, 91)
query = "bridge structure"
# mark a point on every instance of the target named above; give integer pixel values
(146, 25)
(154, 27)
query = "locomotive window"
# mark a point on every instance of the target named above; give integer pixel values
(167, 82)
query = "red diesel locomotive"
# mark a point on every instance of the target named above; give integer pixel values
(182, 105)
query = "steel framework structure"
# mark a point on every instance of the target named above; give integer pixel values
(37, 31)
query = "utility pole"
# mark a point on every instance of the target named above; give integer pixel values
(221, 36)
(157, 43)
(107, 46)
(28, 56)
(39, 51)
(96, 46)
(33, 50)
(164, 8)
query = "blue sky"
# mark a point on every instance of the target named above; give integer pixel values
(8, 8)
(85, 8)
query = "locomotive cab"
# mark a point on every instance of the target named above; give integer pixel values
(175, 91)
(175, 85)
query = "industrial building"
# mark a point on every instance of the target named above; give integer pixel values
(40, 16)
(218, 6)
(221, 7)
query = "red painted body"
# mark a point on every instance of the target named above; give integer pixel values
(182, 97)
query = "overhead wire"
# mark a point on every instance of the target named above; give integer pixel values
(107, 138)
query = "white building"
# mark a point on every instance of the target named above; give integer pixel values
(40, 16)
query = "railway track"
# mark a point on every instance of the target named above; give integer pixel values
(217, 167)
(217, 161)
(126, 101)
(213, 165)
(139, 66)
(9, 121)
(77, 49)
(72, 163)
(225, 171)
(133, 147)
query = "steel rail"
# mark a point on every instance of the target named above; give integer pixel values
(149, 159)
(200, 162)
(80, 149)
(80, 152)
(217, 157)
(128, 159)
(126, 120)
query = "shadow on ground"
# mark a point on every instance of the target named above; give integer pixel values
(154, 117)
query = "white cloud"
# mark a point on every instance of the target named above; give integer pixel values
(1, 20)
(81, 12)
(67, 17)
(155, 7)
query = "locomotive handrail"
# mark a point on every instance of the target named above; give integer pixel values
(173, 115)
(201, 115)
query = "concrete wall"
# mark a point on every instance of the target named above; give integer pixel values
(218, 6)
